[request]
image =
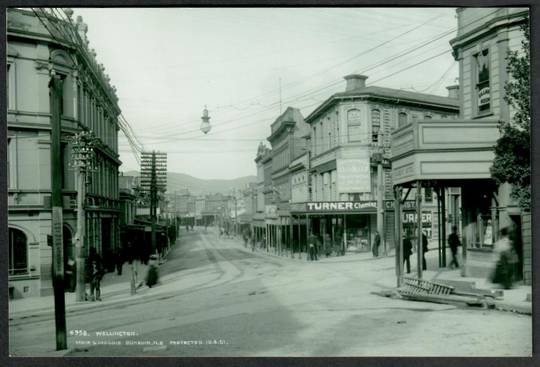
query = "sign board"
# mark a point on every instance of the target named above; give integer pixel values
(407, 205)
(483, 97)
(57, 241)
(340, 206)
(410, 220)
(353, 175)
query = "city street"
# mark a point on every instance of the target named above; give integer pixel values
(218, 299)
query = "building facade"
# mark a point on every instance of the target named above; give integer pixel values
(258, 223)
(349, 168)
(454, 157)
(288, 143)
(88, 102)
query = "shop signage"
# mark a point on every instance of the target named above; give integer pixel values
(340, 206)
(407, 205)
(410, 219)
(483, 97)
(353, 175)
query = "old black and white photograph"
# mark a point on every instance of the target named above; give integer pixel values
(268, 182)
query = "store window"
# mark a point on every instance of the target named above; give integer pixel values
(354, 124)
(483, 94)
(428, 195)
(18, 252)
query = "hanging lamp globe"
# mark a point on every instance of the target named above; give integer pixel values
(205, 125)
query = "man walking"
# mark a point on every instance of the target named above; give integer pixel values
(95, 272)
(376, 244)
(424, 250)
(453, 241)
(407, 251)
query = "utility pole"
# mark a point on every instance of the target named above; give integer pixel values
(153, 179)
(153, 201)
(83, 161)
(55, 91)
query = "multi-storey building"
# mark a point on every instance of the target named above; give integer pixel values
(89, 102)
(455, 156)
(259, 225)
(349, 169)
(288, 142)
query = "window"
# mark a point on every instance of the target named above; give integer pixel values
(314, 141)
(375, 125)
(18, 252)
(10, 86)
(428, 195)
(483, 97)
(354, 124)
(402, 119)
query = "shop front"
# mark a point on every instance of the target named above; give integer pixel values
(340, 227)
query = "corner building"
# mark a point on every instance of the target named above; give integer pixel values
(88, 102)
(349, 169)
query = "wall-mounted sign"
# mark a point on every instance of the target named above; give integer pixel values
(353, 175)
(340, 206)
(410, 220)
(483, 97)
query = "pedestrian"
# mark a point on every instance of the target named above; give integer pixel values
(376, 244)
(506, 259)
(246, 239)
(407, 251)
(424, 250)
(119, 261)
(453, 242)
(253, 243)
(152, 276)
(96, 273)
(311, 247)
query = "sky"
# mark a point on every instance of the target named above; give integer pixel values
(167, 64)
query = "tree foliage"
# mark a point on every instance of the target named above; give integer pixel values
(512, 161)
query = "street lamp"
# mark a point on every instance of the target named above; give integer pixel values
(84, 161)
(205, 125)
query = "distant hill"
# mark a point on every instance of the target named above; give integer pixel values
(181, 181)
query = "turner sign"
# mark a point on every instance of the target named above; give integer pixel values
(340, 206)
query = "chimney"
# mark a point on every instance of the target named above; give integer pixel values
(355, 81)
(453, 91)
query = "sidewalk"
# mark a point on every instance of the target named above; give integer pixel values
(115, 289)
(513, 300)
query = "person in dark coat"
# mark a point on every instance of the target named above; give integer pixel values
(95, 274)
(376, 244)
(453, 242)
(407, 251)
(119, 260)
(424, 250)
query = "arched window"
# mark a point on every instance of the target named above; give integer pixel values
(402, 119)
(18, 252)
(354, 125)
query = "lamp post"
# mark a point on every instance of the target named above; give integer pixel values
(83, 161)
(378, 159)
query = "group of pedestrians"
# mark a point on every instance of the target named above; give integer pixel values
(505, 255)
(408, 250)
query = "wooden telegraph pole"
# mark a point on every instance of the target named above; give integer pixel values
(55, 91)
